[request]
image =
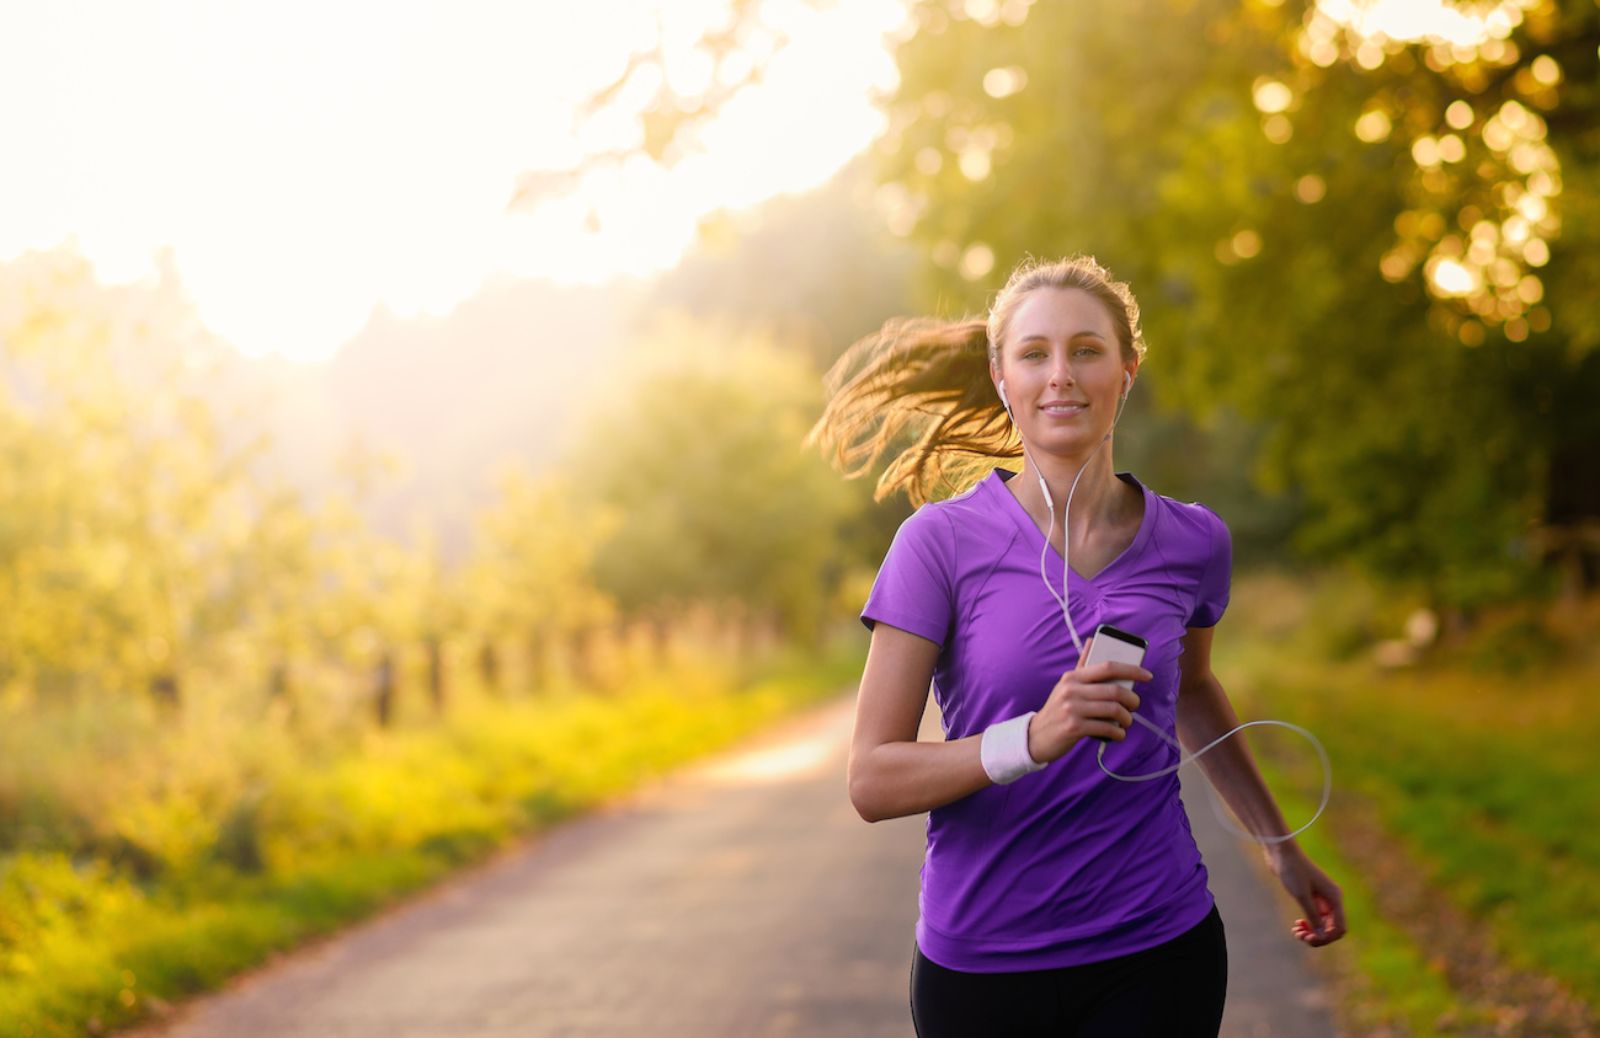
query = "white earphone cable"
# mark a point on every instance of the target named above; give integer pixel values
(1062, 600)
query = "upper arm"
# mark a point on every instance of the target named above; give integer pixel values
(911, 611)
(1212, 589)
(894, 688)
(1195, 664)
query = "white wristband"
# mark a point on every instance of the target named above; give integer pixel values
(1004, 750)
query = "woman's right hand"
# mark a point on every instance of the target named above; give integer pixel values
(1084, 703)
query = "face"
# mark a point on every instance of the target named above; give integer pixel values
(1063, 369)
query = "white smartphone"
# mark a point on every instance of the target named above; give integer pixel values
(1114, 645)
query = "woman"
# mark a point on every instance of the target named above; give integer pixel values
(1055, 899)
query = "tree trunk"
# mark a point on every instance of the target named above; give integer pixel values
(383, 698)
(436, 675)
(278, 681)
(538, 659)
(489, 666)
(166, 691)
(584, 651)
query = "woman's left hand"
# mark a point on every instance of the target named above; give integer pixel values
(1320, 896)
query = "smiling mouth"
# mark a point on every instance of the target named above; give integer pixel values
(1064, 408)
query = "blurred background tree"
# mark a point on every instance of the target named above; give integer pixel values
(696, 453)
(127, 511)
(528, 584)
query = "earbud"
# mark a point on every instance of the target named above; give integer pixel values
(1127, 383)
(1004, 402)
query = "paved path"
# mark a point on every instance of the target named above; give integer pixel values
(741, 897)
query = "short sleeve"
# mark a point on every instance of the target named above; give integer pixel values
(1211, 596)
(914, 589)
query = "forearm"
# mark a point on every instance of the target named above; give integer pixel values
(1204, 714)
(895, 779)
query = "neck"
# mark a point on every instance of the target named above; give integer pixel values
(1098, 498)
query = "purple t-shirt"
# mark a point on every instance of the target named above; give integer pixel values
(1066, 865)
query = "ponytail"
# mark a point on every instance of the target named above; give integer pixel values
(922, 384)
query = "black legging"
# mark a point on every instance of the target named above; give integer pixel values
(1174, 990)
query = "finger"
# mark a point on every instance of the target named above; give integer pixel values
(1313, 919)
(1107, 691)
(1325, 924)
(1335, 910)
(1101, 728)
(1111, 670)
(1323, 927)
(1111, 712)
(1084, 654)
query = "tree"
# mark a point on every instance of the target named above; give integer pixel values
(1265, 223)
(700, 460)
(127, 496)
(529, 577)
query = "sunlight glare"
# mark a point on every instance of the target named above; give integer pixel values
(307, 163)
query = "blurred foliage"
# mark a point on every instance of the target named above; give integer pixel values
(696, 456)
(147, 544)
(149, 547)
(127, 544)
(529, 576)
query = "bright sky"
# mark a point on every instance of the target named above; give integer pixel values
(307, 161)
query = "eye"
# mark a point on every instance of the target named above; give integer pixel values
(1032, 353)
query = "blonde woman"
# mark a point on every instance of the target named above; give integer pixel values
(1055, 898)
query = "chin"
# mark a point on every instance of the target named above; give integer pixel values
(1065, 446)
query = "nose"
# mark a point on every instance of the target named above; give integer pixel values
(1061, 371)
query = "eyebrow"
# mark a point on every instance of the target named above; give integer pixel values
(1074, 335)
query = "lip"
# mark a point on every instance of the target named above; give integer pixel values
(1064, 403)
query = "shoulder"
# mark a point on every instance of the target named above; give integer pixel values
(1190, 523)
(972, 517)
(961, 530)
(929, 528)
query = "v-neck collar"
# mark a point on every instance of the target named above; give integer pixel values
(1035, 536)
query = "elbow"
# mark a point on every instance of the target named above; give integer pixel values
(867, 812)
(862, 799)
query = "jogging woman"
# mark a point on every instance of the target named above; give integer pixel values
(1055, 898)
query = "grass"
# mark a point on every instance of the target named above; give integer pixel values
(236, 865)
(1472, 766)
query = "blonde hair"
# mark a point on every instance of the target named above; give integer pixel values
(926, 381)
